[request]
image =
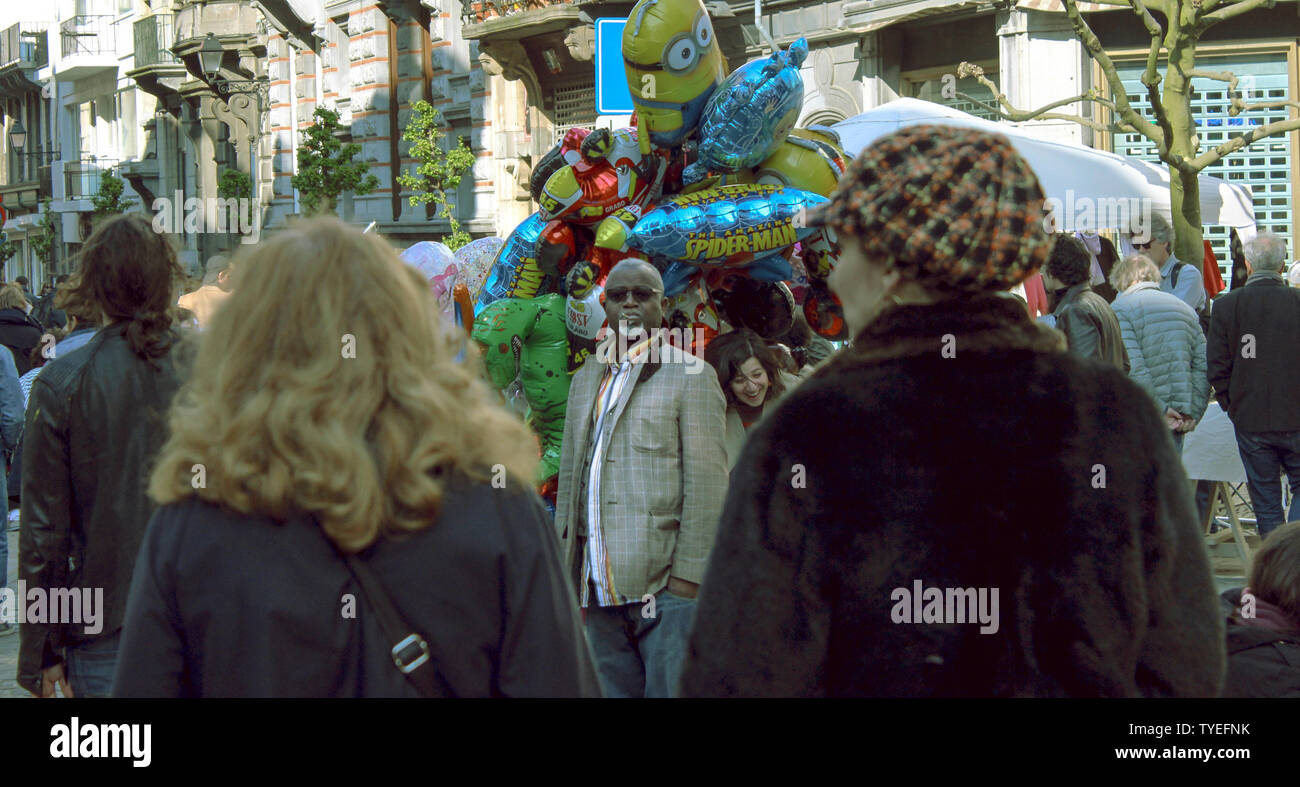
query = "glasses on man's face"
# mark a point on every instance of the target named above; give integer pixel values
(642, 294)
(1143, 246)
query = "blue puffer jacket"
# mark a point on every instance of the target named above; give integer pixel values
(1165, 348)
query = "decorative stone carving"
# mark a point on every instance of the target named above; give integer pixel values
(581, 42)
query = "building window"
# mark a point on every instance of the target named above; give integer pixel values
(575, 107)
(943, 88)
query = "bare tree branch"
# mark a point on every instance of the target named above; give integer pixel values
(1127, 114)
(1005, 111)
(1237, 143)
(1238, 104)
(1042, 113)
(1231, 10)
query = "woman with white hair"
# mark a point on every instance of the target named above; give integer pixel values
(1166, 349)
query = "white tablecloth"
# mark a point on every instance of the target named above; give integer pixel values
(1210, 450)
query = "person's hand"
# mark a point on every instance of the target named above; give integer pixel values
(1173, 419)
(51, 677)
(680, 587)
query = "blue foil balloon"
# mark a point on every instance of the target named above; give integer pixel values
(728, 226)
(517, 257)
(750, 114)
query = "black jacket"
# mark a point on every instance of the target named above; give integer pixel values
(1090, 327)
(20, 333)
(1262, 320)
(1009, 465)
(226, 605)
(95, 422)
(1261, 662)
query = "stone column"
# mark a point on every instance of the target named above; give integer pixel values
(1041, 61)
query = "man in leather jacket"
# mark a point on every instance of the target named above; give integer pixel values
(96, 419)
(1090, 326)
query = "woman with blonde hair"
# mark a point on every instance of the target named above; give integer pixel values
(18, 331)
(331, 469)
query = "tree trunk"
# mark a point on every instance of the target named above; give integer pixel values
(1185, 202)
(1184, 188)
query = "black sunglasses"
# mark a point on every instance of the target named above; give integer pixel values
(642, 294)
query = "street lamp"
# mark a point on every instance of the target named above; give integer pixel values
(210, 57)
(18, 141)
(18, 136)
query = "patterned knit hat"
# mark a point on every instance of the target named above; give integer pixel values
(945, 206)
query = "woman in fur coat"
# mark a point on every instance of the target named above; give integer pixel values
(954, 506)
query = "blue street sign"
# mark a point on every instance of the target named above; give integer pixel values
(612, 95)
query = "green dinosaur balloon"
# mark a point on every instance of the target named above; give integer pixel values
(525, 338)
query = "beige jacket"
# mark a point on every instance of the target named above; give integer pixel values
(665, 474)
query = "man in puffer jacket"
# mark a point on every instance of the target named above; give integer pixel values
(1166, 349)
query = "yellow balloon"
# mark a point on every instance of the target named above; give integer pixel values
(810, 159)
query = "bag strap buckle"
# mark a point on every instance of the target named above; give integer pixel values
(410, 653)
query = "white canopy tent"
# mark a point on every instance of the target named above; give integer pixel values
(1089, 189)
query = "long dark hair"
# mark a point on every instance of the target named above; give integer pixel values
(128, 273)
(728, 352)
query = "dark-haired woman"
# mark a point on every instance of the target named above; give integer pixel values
(18, 331)
(95, 421)
(752, 380)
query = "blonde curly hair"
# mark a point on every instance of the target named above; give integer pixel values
(326, 384)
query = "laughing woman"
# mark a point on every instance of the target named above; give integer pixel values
(751, 379)
(329, 459)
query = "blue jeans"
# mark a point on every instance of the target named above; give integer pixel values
(89, 667)
(639, 651)
(1266, 455)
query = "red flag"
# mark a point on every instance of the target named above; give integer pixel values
(1213, 279)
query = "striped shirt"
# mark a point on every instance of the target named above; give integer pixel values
(596, 570)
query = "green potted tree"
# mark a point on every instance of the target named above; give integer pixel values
(438, 172)
(326, 168)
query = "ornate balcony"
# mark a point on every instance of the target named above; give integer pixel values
(516, 19)
(157, 70)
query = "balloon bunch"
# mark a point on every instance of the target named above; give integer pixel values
(711, 184)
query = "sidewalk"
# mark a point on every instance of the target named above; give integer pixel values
(9, 645)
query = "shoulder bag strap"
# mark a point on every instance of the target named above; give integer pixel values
(411, 654)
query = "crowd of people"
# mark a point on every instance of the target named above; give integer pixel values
(288, 482)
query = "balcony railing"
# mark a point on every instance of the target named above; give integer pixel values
(154, 36)
(87, 35)
(24, 43)
(477, 11)
(81, 178)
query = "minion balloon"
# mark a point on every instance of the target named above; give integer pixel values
(673, 65)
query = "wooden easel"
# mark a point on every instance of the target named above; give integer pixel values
(1219, 491)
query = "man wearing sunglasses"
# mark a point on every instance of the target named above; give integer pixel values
(1158, 245)
(643, 473)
